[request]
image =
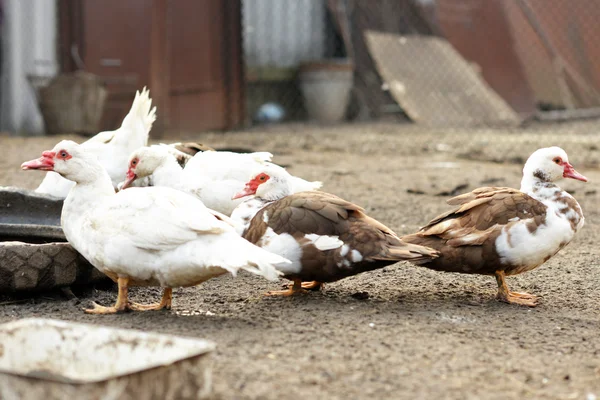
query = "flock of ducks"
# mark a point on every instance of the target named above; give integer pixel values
(177, 215)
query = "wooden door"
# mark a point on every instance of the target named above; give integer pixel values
(187, 51)
(109, 38)
(196, 64)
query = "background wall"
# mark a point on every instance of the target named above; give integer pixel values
(29, 39)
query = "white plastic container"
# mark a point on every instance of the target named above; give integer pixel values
(50, 359)
(325, 86)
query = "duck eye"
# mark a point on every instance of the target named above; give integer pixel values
(134, 162)
(262, 178)
(557, 160)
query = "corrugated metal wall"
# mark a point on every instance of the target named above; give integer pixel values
(572, 29)
(282, 33)
(534, 52)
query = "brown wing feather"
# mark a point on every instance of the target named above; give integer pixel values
(467, 197)
(485, 207)
(321, 213)
(310, 213)
(192, 148)
(466, 235)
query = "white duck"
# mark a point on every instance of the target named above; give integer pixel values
(146, 236)
(212, 176)
(112, 148)
(181, 152)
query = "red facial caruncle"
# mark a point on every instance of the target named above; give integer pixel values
(61, 154)
(132, 165)
(252, 185)
(131, 176)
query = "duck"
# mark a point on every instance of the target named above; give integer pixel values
(152, 236)
(190, 148)
(502, 231)
(325, 237)
(212, 176)
(181, 152)
(111, 147)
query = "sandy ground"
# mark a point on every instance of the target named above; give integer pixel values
(399, 332)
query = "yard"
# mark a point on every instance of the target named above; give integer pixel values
(399, 332)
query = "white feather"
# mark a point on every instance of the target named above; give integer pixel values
(355, 256)
(155, 236)
(164, 235)
(344, 250)
(213, 176)
(112, 148)
(286, 246)
(323, 242)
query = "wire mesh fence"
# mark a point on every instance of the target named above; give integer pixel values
(429, 62)
(516, 66)
(481, 65)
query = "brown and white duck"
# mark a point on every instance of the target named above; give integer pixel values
(325, 237)
(502, 231)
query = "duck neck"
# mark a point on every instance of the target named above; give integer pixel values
(281, 189)
(85, 196)
(242, 215)
(169, 174)
(538, 188)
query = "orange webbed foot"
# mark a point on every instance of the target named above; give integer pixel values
(522, 299)
(292, 290)
(121, 305)
(165, 303)
(505, 295)
(314, 285)
(102, 310)
(284, 293)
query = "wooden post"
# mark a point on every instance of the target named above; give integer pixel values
(234, 63)
(159, 67)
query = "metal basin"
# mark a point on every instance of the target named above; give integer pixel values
(50, 359)
(34, 255)
(29, 216)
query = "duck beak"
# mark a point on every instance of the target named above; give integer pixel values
(569, 172)
(246, 192)
(44, 163)
(131, 177)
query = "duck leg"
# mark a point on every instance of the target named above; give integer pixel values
(505, 295)
(313, 285)
(121, 305)
(165, 302)
(292, 290)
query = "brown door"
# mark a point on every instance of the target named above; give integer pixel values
(196, 64)
(187, 51)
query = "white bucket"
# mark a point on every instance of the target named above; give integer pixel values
(325, 86)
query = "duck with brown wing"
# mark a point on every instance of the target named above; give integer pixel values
(502, 231)
(325, 237)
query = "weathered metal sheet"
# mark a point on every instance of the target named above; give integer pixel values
(435, 85)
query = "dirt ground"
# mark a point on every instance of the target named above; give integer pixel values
(402, 331)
